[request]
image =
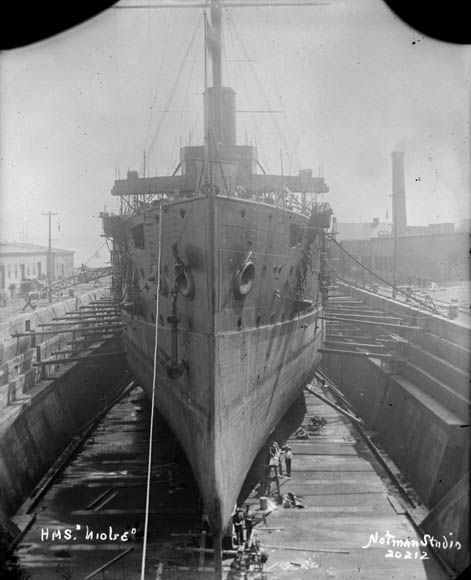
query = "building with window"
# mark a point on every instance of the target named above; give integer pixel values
(20, 262)
(435, 253)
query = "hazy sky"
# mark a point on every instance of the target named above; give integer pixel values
(350, 81)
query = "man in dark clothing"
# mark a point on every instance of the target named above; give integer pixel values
(238, 521)
(288, 458)
(248, 518)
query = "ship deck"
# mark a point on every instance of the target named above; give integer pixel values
(346, 492)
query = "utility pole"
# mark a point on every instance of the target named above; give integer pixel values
(49, 256)
(394, 286)
(398, 209)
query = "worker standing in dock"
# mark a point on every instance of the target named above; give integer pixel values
(238, 522)
(248, 519)
(288, 458)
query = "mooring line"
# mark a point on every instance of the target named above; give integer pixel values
(151, 431)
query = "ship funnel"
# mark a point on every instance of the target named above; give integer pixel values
(398, 192)
(225, 134)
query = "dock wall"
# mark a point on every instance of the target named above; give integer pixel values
(17, 355)
(42, 410)
(419, 415)
(56, 411)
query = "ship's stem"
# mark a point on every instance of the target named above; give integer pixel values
(218, 556)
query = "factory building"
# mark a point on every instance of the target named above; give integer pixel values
(424, 254)
(434, 257)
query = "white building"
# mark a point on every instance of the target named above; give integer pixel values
(19, 262)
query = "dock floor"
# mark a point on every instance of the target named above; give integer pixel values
(347, 499)
(350, 514)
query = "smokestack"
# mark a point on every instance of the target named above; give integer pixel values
(398, 192)
(225, 134)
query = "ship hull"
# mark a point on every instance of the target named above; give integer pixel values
(236, 340)
(222, 444)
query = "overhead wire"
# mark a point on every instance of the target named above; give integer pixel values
(95, 253)
(173, 89)
(167, 27)
(260, 86)
(182, 114)
(238, 74)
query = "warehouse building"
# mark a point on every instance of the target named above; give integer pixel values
(20, 262)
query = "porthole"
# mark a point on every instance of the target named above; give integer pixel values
(164, 286)
(185, 284)
(244, 280)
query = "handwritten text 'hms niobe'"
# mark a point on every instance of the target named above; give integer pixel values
(86, 534)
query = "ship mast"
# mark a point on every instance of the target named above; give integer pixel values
(214, 107)
(215, 49)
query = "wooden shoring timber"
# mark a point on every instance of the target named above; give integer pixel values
(73, 324)
(91, 330)
(352, 312)
(354, 344)
(93, 340)
(98, 308)
(75, 316)
(78, 358)
(335, 351)
(115, 559)
(370, 323)
(351, 416)
(358, 311)
(344, 300)
(74, 351)
(344, 339)
(347, 333)
(310, 549)
(355, 317)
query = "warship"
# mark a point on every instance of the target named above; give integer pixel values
(221, 273)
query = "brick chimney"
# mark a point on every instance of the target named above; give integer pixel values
(398, 192)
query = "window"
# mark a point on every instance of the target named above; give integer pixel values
(295, 234)
(138, 236)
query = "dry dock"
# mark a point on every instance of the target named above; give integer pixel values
(348, 499)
